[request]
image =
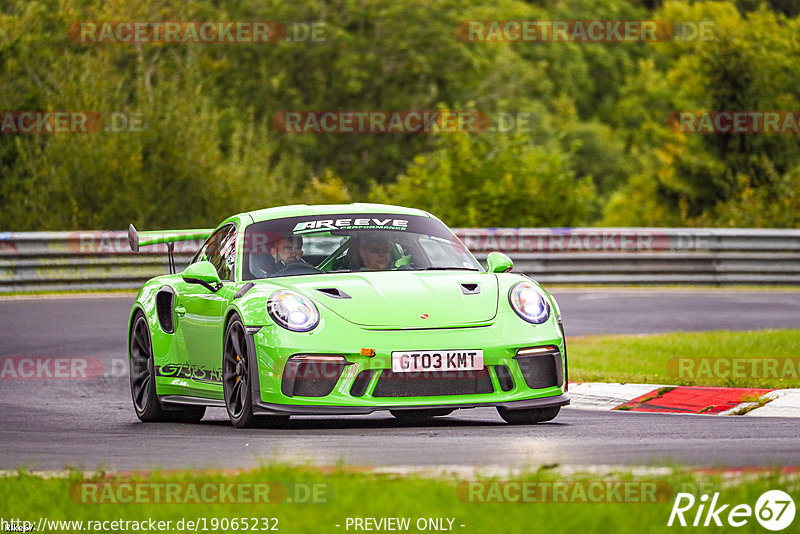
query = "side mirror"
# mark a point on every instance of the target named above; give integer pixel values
(497, 262)
(203, 273)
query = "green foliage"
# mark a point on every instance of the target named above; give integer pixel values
(493, 180)
(599, 150)
(713, 179)
(760, 206)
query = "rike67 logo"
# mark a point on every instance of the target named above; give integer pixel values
(774, 510)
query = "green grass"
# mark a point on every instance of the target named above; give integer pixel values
(645, 359)
(354, 493)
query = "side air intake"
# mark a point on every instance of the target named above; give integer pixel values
(165, 299)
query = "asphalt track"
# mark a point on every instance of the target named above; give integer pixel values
(49, 424)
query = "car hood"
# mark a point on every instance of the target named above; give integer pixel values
(410, 299)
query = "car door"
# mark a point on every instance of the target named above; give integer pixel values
(200, 310)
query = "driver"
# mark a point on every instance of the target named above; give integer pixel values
(285, 251)
(282, 252)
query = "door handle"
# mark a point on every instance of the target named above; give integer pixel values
(180, 311)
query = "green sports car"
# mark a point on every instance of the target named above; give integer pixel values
(341, 309)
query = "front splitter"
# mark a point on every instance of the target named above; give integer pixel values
(289, 409)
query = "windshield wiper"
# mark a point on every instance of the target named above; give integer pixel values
(454, 268)
(338, 271)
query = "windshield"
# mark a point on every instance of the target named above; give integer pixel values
(351, 242)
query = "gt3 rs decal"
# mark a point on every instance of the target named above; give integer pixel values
(192, 372)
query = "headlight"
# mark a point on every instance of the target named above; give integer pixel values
(530, 302)
(293, 311)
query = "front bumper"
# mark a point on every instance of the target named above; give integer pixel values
(500, 341)
(284, 409)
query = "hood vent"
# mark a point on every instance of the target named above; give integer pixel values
(333, 292)
(470, 289)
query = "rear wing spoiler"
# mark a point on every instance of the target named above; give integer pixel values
(144, 239)
(136, 239)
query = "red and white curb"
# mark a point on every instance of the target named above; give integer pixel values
(685, 399)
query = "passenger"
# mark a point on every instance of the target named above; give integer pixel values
(372, 252)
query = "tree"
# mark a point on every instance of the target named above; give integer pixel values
(474, 180)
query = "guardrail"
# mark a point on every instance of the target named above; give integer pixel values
(103, 260)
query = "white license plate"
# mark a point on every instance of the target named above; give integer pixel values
(437, 360)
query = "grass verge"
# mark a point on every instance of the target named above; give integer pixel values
(688, 359)
(619, 501)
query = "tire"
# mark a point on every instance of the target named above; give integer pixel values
(236, 375)
(419, 416)
(236, 381)
(528, 416)
(142, 377)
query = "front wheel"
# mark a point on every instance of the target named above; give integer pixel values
(143, 381)
(236, 383)
(528, 416)
(236, 375)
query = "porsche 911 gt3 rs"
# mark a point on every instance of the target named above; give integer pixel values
(341, 309)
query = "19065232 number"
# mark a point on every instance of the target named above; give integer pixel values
(238, 523)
